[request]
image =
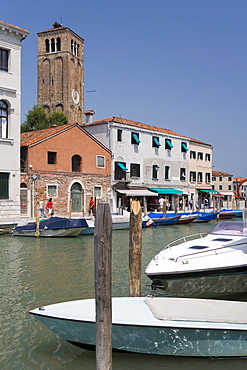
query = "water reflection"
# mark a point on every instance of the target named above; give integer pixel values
(36, 272)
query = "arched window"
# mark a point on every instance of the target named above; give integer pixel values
(72, 46)
(47, 46)
(3, 119)
(58, 44)
(76, 163)
(77, 197)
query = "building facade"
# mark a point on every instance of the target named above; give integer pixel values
(61, 72)
(222, 182)
(148, 157)
(67, 164)
(10, 119)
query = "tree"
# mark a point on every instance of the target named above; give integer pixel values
(38, 119)
(57, 118)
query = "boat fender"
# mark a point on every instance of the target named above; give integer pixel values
(37, 233)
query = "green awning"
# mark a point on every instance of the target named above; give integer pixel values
(185, 147)
(136, 138)
(167, 191)
(209, 191)
(156, 140)
(122, 166)
(169, 143)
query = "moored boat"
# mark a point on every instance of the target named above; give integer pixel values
(52, 227)
(205, 216)
(157, 326)
(213, 265)
(185, 218)
(118, 223)
(227, 214)
(159, 221)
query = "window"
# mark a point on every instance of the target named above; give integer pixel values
(192, 176)
(168, 144)
(200, 156)
(229, 178)
(135, 138)
(212, 187)
(52, 157)
(4, 185)
(182, 174)
(58, 44)
(134, 170)
(156, 142)
(229, 187)
(207, 177)
(220, 187)
(167, 172)
(4, 58)
(184, 148)
(207, 157)
(119, 135)
(155, 170)
(199, 177)
(97, 191)
(47, 45)
(220, 179)
(3, 119)
(192, 154)
(213, 178)
(52, 190)
(100, 161)
(53, 45)
(76, 163)
(120, 170)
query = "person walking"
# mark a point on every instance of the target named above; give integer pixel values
(161, 203)
(49, 207)
(91, 206)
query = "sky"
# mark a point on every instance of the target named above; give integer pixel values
(176, 64)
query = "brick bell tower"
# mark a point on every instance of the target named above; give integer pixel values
(61, 72)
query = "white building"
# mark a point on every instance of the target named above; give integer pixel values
(145, 158)
(10, 116)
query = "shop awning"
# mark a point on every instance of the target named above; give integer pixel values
(209, 191)
(137, 192)
(122, 166)
(167, 191)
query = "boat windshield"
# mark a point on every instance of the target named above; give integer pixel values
(231, 228)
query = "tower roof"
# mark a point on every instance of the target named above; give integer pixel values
(58, 27)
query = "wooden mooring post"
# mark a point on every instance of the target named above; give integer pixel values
(103, 286)
(135, 248)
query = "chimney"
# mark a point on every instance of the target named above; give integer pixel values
(89, 116)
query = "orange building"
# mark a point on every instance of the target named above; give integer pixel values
(64, 163)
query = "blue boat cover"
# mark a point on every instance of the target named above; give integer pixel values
(55, 223)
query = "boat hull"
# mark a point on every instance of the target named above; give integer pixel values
(225, 283)
(151, 336)
(49, 233)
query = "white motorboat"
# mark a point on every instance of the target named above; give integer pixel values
(209, 266)
(158, 326)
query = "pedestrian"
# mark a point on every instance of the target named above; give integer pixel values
(49, 207)
(41, 209)
(161, 203)
(91, 206)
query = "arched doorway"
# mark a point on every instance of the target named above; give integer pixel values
(77, 197)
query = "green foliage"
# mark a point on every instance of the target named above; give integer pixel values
(38, 119)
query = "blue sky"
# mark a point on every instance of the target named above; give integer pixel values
(176, 64)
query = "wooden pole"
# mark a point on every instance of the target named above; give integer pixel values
(103, 283)
(164, 208)
(176, 205)
(135, 248)
(37, 232)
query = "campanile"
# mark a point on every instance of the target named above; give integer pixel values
(61, 72)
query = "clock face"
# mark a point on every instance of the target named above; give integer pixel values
(75, 96)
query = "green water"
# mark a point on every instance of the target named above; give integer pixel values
(36, 272)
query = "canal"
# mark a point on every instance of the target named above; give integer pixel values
(36, 272)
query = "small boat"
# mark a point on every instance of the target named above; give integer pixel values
(203, 266)
(185, 218)
(227, 213)
(156, 326)
(118, 223)
(205, 216)
(52, 227)
(159, 221)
